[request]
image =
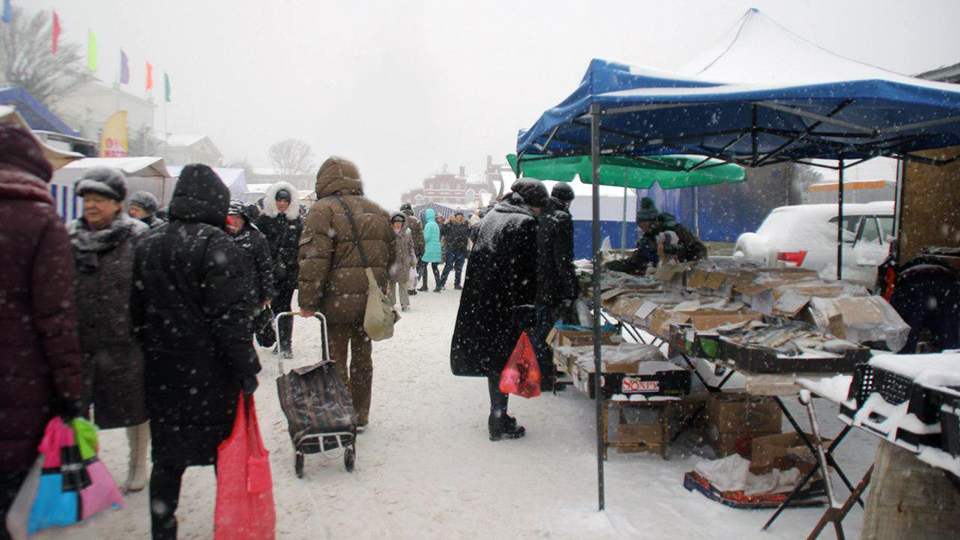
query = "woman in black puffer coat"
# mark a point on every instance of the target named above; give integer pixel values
(191, 313)
(498, 296)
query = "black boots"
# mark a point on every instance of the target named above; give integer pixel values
(505, 429)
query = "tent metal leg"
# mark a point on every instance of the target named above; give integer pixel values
(597, 263)
(840, 225)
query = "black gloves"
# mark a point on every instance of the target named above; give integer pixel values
(524, 316)
(249, 385)
(70, 410)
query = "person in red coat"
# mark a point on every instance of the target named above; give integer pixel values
(40, 369)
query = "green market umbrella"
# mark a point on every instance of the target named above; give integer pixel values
(670, 172)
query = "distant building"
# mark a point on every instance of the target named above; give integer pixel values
(458, 190)
(89, 107)
(187, 149)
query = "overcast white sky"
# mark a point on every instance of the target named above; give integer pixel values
(403, 87)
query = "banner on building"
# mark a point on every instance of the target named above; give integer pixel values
(113, 140)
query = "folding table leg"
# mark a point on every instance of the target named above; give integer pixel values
(837, 515)
(832, 462)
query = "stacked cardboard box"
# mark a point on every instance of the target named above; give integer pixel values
(734, 420)
(783, 451)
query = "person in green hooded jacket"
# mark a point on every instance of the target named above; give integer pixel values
(659, 230)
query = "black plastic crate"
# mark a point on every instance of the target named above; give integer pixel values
(755, 359)
(950, 424)
(896, 389)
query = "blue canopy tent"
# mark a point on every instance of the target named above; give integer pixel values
(762, 95)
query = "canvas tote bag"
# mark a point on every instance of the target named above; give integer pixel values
(379, 317)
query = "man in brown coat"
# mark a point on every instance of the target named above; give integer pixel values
(332, 279)
(40, 373)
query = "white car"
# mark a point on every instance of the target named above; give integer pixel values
(806, 236)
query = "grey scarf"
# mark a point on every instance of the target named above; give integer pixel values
(87, 245)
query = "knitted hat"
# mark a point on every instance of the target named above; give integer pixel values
(532, 191)
(105, 181)
(562, 192)
(406, 208)
(648, 210)
(145, 201)
(283, 195)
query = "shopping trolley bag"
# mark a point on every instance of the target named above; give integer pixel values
(315, 400)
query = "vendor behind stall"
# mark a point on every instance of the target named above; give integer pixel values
(661, 235)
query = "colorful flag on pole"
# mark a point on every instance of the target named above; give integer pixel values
(113, 139)
(56, 30)
(124, 68)
(149, 76)
(92, 63)
(7, 11)
(166, 87)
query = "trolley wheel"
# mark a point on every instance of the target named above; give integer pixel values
(298, 465)
(350, 457)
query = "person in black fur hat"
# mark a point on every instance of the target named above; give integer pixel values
(557, 284)
(143, 206)
(191, 315)
(498, 297)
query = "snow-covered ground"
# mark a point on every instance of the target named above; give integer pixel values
(425, 468)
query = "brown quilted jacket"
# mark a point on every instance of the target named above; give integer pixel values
(332, 279)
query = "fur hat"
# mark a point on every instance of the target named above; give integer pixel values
(406, 208)
(105, 181)
(146, 201)
(648, 210)
(532, 191)
(562, 192)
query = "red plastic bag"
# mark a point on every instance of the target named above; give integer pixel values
(244, 485)
(522, 374)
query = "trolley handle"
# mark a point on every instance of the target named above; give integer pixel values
(324, 335)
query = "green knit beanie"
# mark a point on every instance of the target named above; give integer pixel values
(648, 210)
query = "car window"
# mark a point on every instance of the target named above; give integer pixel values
(870, 233)
(886, 225)
(850, 224)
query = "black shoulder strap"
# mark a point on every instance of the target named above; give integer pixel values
(353, 227)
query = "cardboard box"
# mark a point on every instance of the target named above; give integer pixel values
(736, 413)
(664, 383)
(782, 451)
(700, 319)
(727, 444)
(576, 338)
(859, 319)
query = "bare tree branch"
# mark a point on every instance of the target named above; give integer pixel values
(27, 60)
(291, 157)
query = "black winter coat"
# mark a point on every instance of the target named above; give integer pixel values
(556, 277)
(256, 250)
(192, 318)
(283, 235)
(499, 290)
(112, 361)
(456, 235)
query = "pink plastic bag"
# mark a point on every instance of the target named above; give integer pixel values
(244, 484)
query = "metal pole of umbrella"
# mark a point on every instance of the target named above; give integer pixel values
(597, 306)
(696, 210)
(840, 225)
(623, 233)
